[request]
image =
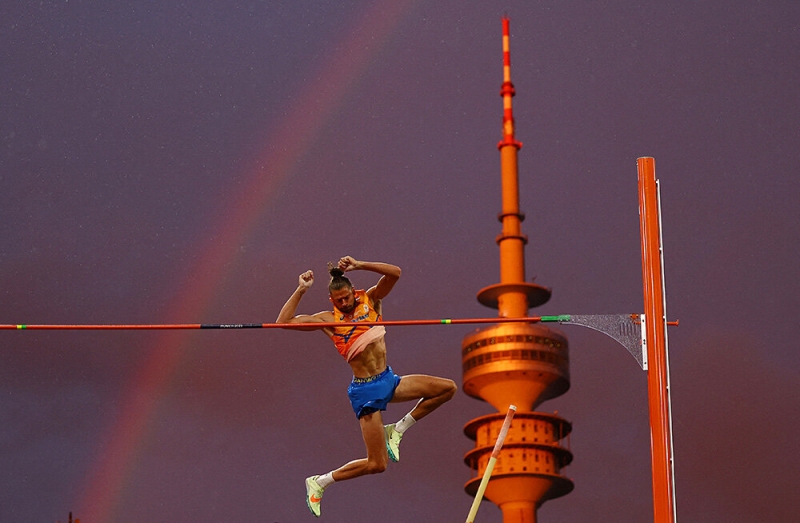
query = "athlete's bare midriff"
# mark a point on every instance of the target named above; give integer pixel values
(371, 362)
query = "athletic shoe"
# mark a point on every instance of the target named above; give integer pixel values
(313, 494)
(393, 442)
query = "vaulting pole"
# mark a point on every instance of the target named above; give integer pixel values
(498, 445)
(657, 352)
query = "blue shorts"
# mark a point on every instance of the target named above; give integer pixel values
(368, 395)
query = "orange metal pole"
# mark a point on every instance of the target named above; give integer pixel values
(657, 356)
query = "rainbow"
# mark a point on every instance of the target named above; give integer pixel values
(101, 492)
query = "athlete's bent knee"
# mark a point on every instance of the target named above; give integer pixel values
(450, 390)
(376, 467)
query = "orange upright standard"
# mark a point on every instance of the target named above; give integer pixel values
(658, 392)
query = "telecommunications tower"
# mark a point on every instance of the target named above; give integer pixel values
(522, 364)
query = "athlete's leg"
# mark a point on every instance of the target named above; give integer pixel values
(376, 461)
(377, 458)
(430, 390)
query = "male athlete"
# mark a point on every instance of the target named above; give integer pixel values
(374, 383)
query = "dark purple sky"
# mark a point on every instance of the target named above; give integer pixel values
(166, 161)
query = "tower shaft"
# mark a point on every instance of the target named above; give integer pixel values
(516, 363)
(512, 304)
(513, 296)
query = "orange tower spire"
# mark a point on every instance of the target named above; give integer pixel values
(513, 296)
(516, 363)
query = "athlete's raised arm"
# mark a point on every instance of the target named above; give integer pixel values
(289, 309)
(389, 274)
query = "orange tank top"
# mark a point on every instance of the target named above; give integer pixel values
(345, 337)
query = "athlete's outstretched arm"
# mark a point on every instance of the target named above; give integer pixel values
(389, 274)
(287, 314)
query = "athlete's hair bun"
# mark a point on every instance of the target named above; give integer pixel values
(335, 271)
(338, 279)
